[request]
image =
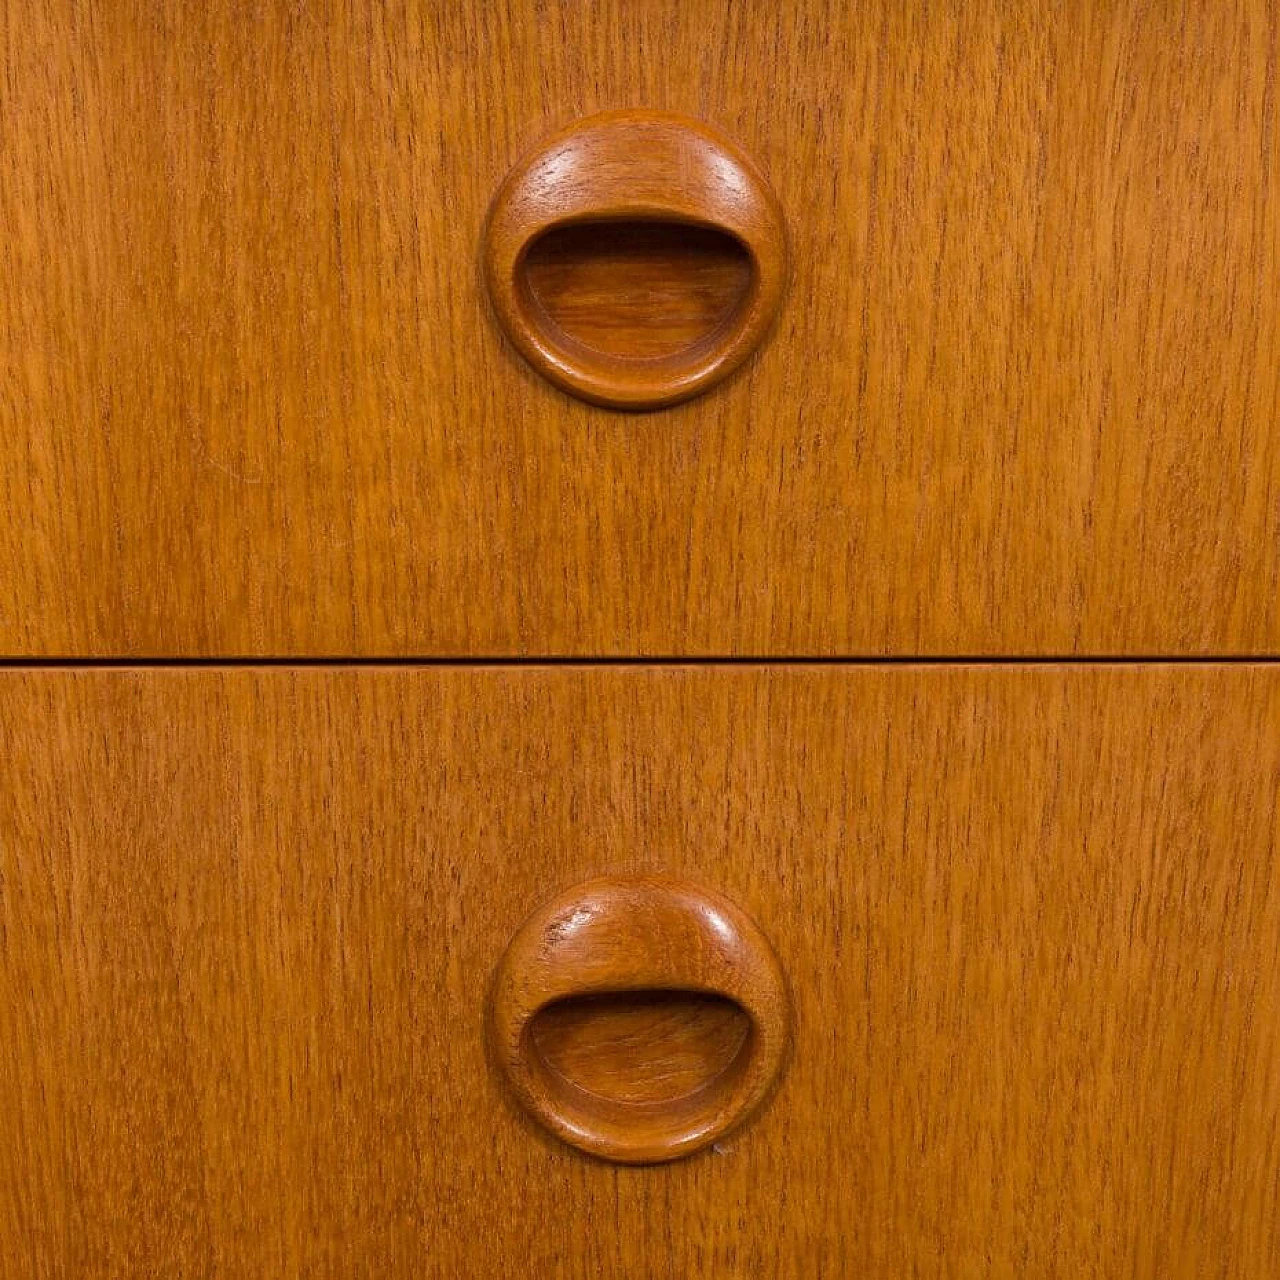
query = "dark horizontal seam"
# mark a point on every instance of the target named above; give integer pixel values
(20, 663)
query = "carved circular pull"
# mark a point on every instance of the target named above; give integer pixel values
(636, 258)
(639, 1019)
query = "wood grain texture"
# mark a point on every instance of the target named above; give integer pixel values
(1023, 396)
(248, 921)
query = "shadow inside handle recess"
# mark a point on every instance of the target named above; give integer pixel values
(640, 1047)
(637, 290)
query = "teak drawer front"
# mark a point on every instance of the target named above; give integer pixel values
(1022, 396)
(1029, 918)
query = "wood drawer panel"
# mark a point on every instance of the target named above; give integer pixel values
(1022, 397)
(1030, 917)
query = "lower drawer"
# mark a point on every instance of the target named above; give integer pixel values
(1029, 918)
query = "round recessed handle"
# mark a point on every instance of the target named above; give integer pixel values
(639, 1018)
(636, 258)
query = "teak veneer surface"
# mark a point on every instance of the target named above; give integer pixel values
(1023, 396)
(1030, 918)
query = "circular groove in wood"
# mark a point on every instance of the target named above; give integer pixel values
(624, 976)
(636, 258)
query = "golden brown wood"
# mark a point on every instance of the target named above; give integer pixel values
(634, 170)
(1030, 919)
(1022, 397)
(637, 936)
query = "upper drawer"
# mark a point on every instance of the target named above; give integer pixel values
(1022, 396)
